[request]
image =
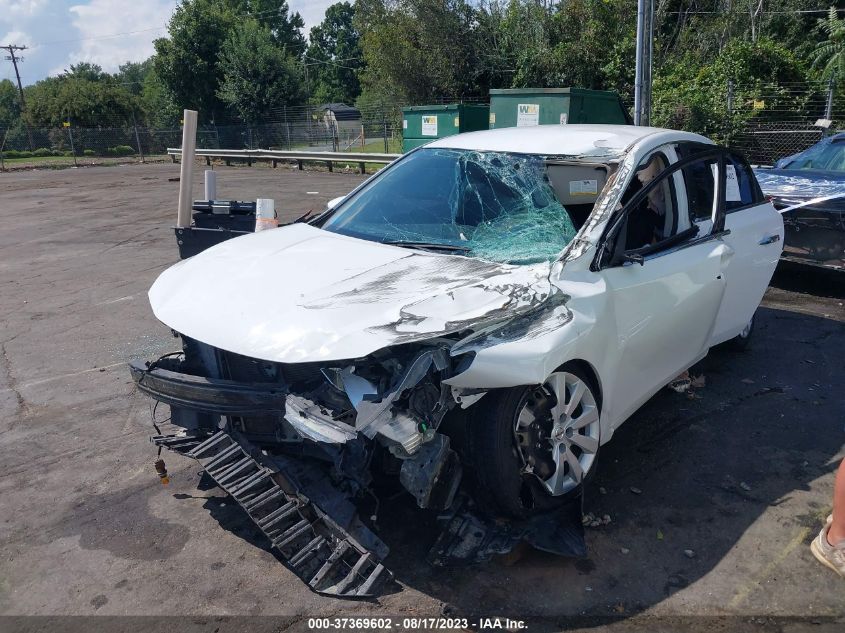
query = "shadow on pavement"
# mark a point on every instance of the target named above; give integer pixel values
(682, 474)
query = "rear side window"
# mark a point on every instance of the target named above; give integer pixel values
(701, 188)
(741, 188)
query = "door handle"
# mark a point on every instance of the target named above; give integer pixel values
(769, 240)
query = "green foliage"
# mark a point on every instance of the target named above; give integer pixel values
(157, 103)
(11, 153)
(334, 57)
(285, 27)
(237, 60)
(120, 150)
(42, 152)
(258, 76)
(419, 50)
(830, 54)
(9, 104)
(186, 61)
(133, 75)
(691, 96)
(89, 152)
(76, 98)
(86, 71)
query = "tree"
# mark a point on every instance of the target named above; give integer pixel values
(187, 61)
(157, 106)
(420, 50)
(335, 57)
(132, 75)
(84, 102)
(10, 106)
(87, 71)
(692, 95)
(830, 54)
(258, 76)
(284, 26)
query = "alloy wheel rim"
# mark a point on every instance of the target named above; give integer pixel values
(557, 432)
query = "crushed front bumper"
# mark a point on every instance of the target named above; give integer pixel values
(208, 395)
(232, 398)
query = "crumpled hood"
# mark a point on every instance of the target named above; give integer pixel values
(301, 294)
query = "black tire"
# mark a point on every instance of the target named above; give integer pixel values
(500, 488)
(742, 341)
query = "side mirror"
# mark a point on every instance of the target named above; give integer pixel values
(334, 202)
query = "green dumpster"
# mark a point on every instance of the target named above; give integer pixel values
(524, 107)
(423, 124)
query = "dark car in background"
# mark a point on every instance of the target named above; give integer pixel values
(809, 189)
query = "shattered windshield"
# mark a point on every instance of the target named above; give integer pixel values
(492, 205)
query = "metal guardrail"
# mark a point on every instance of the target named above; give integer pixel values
(277, 156)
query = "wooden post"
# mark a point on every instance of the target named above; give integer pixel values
(186, 180)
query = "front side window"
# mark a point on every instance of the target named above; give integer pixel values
(654, 217)
(700, 184)
(492, 205)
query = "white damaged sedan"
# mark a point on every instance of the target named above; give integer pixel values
(482, 314)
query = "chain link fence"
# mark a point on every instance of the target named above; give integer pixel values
(765, 122)
(375, 129)
(770, 122)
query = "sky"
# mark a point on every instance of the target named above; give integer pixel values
(105, 32)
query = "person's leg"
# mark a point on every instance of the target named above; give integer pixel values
(836, 533)
(829, 546)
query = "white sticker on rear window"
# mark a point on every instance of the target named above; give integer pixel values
(732, 192)
(583, 187)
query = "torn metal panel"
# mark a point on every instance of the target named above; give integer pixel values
(433, 475)
(310, 421)
(469, 537)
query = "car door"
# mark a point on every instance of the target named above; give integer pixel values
(664, 297)
(754, 229)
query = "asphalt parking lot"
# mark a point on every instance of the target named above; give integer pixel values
(713, 500)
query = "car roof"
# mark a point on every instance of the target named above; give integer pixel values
(568, 140)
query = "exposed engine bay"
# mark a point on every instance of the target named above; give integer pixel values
(396, 397)
(329, 430)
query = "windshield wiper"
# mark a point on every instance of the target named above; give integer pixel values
(429, 245)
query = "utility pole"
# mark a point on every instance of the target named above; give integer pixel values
(642, 81)
(15, 59)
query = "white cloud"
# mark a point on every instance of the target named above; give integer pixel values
(312, 11)
(16, 37)
(98, 22)
(21, 8)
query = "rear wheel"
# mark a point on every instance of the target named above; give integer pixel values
(533, 447)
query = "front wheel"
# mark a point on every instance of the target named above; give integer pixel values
(532, 448)
(742, 341)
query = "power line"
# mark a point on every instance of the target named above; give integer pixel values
(740, 12)
(100, 37)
